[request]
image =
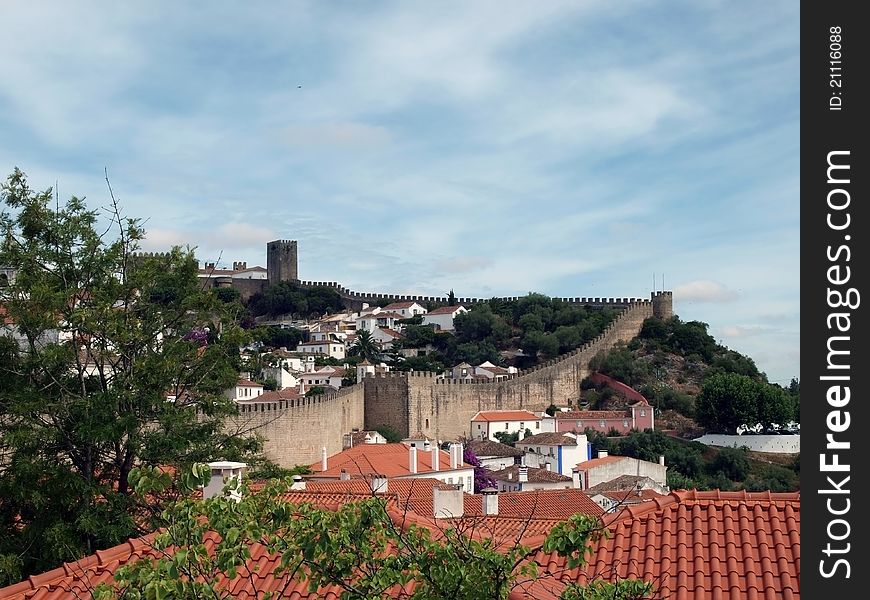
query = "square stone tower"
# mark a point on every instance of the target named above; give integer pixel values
(281, 261)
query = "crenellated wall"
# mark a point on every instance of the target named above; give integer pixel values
(295, 430)
(443, 408)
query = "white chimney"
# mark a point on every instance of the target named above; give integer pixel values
(412, 459)
(602, 453)
(224, 474)
(523, 474)
(662, 460)
(490, 501)
(298, 483)
(453, 464)
(344, 475)
(575, 479)
(548, 465)
(436, 458)
(378, 484)
(427, 446)
(459, 454)
(521, 434)
(324, 459)
(448, 503)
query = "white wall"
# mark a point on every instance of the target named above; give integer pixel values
(781, 444)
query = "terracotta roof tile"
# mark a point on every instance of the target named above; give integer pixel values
(444, 310)
(505, 415)
(389, 460)
(550, 438)
(734, 545)
(538, 504)
(535, 475)
(487, 448)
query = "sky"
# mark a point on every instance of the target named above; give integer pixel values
(599, 148)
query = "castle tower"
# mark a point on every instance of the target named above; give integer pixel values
(663, 304)
(281, 261)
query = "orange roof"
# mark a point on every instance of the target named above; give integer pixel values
(505, 415)
(538, 504)
(444, 310)
(690, 544)
(396, 305)
(247, 383)
(389, 460)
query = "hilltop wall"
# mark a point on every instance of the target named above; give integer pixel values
(296, 430)
(443, 408)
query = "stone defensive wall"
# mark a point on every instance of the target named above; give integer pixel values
(356, 299)
(442, 408)
(295, 430)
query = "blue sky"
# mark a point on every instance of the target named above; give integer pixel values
(494, 148)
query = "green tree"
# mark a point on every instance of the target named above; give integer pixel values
(728, 401)
(358, 548)
(366, 346)
(102, 338)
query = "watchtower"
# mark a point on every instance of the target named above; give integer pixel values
(281, 261)
(663, 304)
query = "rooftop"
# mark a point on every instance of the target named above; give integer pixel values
(388, 460)
(535, 475)
(550, 438)
(444, 310)
(489, 448)
(505, 415)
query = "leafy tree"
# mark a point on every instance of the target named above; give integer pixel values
(366, 346)
(102, 337)
(227, 295)
(731, 462)
(358, 548)
(727, 401)
(552, 410)
(279, 337)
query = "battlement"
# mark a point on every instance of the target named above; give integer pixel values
(255, 406)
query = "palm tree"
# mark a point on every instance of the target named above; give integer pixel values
(366, 346)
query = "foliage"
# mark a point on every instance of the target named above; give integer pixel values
(728, 401)
(552, 410)
(510, 439)
(366, 346)
(315, 390)
(733, 463)
(101, 338)
(362, 548)
(392, 436)
(279, 337)
(227, 295)
(289, 298)
(482, 476)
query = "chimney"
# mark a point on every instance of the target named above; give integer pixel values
(521, 434)
(459, 454)
(298, 483)
(510, 476)
(323, 459)
(523, 474)
(448, 503)
(344, 476)
(378, 484)
(490, 501)
(548, 465)
(427, 446)
(602, 453)
(661, 460)
(453, 464)
(227, 476)
(436, 458)
(412, 459)
(575, 479)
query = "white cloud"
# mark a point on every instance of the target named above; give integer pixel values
(704, 291)
(347, 134)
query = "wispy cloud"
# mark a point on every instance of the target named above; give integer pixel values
(704, 291)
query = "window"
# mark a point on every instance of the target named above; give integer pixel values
(427, 423)
(479, 426)
(624, 423)
(506, 426)
(522, 425)
(643, 413)
(537, 424)
(468, 485)
(449, 480)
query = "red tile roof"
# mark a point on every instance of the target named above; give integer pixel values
(538, 504)
(549, 438)
(505, 415)
(534, 474)
(444, 310)
(717, 545)
(389, 460)
(247, 383)
(597, 462)
(581, 415)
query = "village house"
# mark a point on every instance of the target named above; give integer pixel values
(386, 337)
(558, 452)
(331, 349)
(406, 309)
(355, 438)
(485, 424)
(638, 416)
(244, 390)
(324, 376)
(520, 478)
(366, 369)
(495, 455)
(625, 490)
(607, 467)
(396, 461)
(442, 318)
(494, 372)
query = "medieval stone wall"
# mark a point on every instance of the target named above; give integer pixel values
(296, 430)
(443, 408)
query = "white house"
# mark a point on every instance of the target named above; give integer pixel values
(518, 478)
(396, 461)
(608, 467)
(283, 378)
(558, 452)
(406, 309)
(385, 337)
(324, 376)
(328, 336)
(495, 456)
(442, 318)
(486, 423)
(330, 349)
(491, 371)
(366, 369)
(244, 390)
